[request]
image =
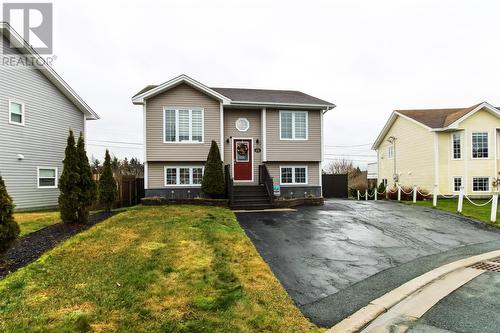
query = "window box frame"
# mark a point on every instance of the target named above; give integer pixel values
(23, 113)
(293, 167)
(191, 109)
(56, 182)
(293, 125)
(178, 175)
(489, 184)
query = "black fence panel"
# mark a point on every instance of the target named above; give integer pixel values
(335, 186)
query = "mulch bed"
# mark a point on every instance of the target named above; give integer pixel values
(29, 248)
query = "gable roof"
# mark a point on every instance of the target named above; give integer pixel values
(238, 96)
(23, 47)
(435, 119)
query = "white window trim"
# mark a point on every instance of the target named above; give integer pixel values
(38, 177)
(191, 109)
(461, 146)
(472, 184)
(453, 183)
(178, 175)
(293, 125)
(389, 149)
(236, 124)
(472, 146)
(293, 174)
(22, 112)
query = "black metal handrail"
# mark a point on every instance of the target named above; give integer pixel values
(266, 180)
(229, 183)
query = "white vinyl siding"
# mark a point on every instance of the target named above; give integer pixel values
(47, 178)
(183, 125)
(293, 125)
(456, 146)
(293, 175)
(183, 176)
(480, 184)
(480, 145)
(16, 113)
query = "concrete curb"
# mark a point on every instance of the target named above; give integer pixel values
(361, 318)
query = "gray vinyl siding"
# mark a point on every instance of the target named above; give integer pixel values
(156, 172)
(48, 117)
(312, 171)
(181, 96)
(293, 150)
(254, 131)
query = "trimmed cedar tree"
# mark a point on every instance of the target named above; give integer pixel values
(69, 183)
(213, 177)
(9, 230)
(108, 192)
(88, 187)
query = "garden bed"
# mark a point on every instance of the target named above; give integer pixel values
(160, 201)
(286, 203)
(31, 246)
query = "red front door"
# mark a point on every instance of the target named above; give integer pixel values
(242, 159)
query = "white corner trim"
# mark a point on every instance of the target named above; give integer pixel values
(436, 159)
(221, 124)
(264, 134)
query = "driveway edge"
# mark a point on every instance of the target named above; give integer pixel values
(365, 315)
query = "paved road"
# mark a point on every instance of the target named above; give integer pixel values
(324, 256)
(472, 308)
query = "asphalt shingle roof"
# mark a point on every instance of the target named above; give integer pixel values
(437, 118)
(262, 96)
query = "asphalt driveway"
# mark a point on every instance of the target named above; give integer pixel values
(335, 258)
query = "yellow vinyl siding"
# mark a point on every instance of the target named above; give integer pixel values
(414, 155)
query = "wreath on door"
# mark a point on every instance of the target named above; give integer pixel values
(242, 149)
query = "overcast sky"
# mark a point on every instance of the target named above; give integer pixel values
(367, 57)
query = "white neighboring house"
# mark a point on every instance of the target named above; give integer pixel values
(372, 171)
(37, 109)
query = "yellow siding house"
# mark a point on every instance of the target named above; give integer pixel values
(449, 148)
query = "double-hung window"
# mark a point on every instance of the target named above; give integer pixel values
(480, 145)
(390, 152)
(456, 146)
(292, 175)
(183, 125)
(16, 113)
(183, 176)
(480, 184)
(47, 178)
(293, 125)
(457, 184)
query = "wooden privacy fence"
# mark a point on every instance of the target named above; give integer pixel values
(130, 190)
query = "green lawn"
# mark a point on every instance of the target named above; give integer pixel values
(151, 269)
(450, 205)
(33, 221)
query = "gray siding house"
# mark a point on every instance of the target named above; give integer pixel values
(277, 129)
(37, 108)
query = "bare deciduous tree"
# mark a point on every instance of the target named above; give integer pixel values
(340, 166)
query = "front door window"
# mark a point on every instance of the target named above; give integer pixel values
(242, 151)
